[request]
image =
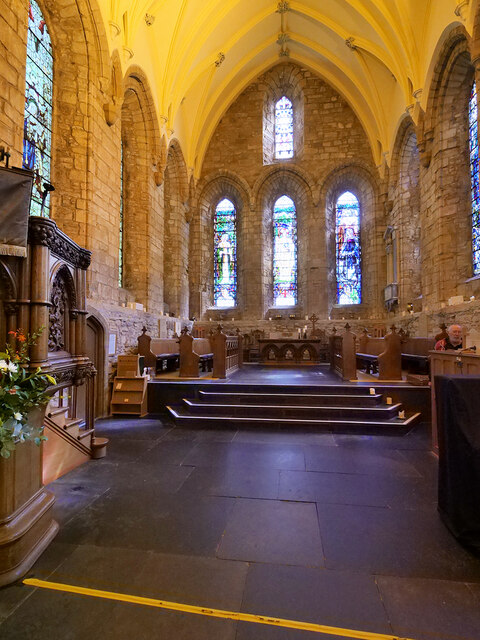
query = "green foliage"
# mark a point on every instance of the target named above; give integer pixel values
(21, 390)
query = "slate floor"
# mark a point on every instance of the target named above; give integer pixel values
(336, 530)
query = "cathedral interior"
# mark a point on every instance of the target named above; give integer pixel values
(233, 202)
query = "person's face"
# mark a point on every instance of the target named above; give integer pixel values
(455, 334)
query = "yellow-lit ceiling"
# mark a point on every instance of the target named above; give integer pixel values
(199, 55)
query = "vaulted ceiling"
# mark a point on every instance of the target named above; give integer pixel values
(199, 55)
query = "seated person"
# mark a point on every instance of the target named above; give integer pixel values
(453, 341)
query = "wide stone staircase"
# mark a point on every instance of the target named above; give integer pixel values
(327, 408)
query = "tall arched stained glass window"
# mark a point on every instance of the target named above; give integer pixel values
(284, 253)
(283, 129)
(121, 221)
(348, 253)
(473, 138)
(225, 255)
(37, 136)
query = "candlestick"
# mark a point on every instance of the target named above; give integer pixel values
(389, 400)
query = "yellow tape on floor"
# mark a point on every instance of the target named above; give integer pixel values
(215, 613)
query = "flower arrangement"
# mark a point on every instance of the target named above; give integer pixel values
(21, 391)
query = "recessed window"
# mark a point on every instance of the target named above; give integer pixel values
(37, 127)
(283, 129)
(348, 250)
(475, 186)
(284, 253)
(225, 255)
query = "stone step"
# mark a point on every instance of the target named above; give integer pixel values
(394, 426)
(383, 412)
(289, 398)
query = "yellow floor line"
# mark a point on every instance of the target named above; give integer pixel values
(215, 613)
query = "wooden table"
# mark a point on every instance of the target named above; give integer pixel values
(281, 351)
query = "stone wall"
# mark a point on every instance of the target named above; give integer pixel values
(333, 147)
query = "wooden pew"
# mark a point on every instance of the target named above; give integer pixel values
(415, 356)
(195, 353)
(382, 355)
(161, 354)
(342, 354)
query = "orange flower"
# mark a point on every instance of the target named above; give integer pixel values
(21, 338)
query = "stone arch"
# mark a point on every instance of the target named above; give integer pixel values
(363, 184)
(283, 80)
(213, 189)
(176, 235)
(141, 203)
(404, 216)
(279, 181)
(447, 257)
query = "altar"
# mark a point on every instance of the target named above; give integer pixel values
(282, 351)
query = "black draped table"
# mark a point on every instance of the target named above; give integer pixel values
(458, 423)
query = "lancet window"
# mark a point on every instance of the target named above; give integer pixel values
(474, 176)
(284, 253)
(283, 129)
(122, 219)
(225, 255)
(37, 136)
(348, 250)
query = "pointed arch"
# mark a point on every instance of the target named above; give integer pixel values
(176, 234)
(212, 190)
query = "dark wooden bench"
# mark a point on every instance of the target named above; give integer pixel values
(367, 362)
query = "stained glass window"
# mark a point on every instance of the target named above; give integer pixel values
(283, 129)
(473, 138)
(120, 230)
(347, 229)
(37, 134)
(225, 252)
(284, 253)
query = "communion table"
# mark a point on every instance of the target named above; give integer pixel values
(280, 351)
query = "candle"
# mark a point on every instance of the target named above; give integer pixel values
(306, 317)
(209, 319)
(372, 391)
(401, 415)
(270, 319)
(472, 298)
(233, 319)
(389, 400)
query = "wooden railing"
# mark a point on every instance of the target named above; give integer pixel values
(227, 353)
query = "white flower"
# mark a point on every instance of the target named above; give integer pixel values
(3, 365)
(13, 368)
(18, 416)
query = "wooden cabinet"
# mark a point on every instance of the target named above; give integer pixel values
(129, 394)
